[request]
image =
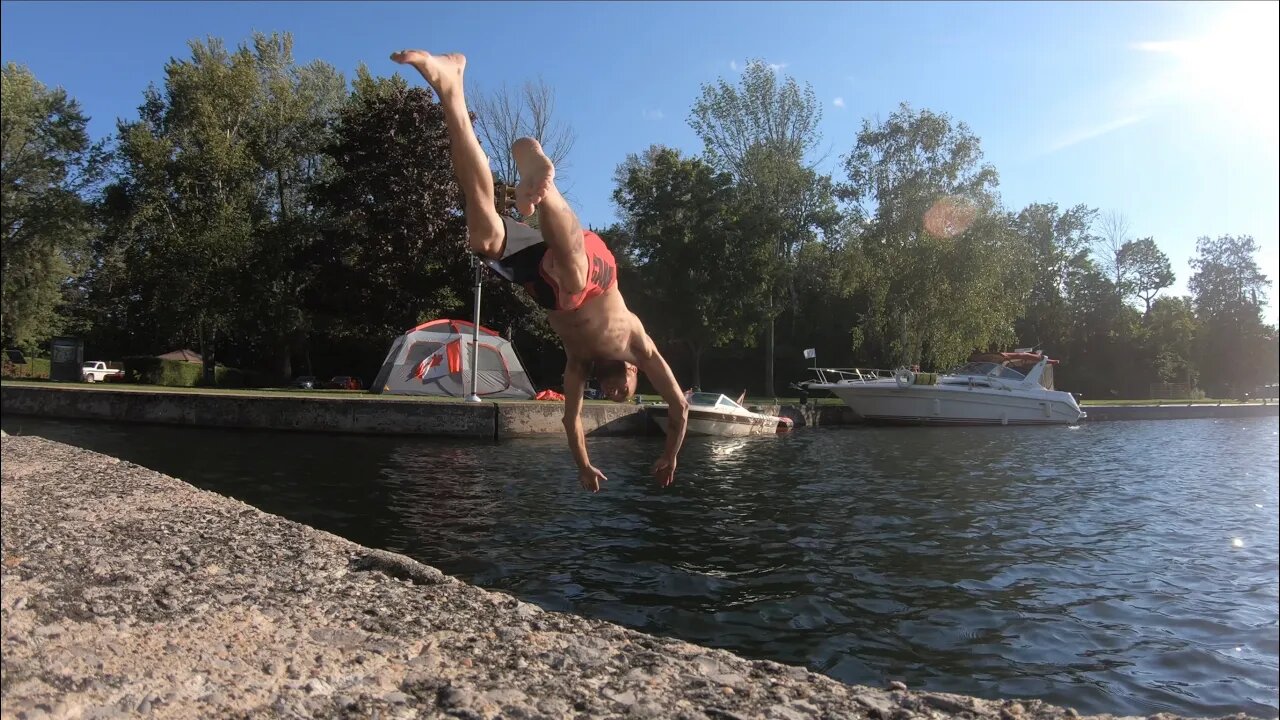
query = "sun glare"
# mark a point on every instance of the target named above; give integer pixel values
(1232, 65)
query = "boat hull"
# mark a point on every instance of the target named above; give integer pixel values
(721, 425)
(940, 405)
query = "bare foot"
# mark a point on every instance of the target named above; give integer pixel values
(536, 174)
(442, 72)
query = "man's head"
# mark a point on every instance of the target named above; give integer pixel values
(617, 379)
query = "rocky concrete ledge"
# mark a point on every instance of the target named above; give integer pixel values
(128, 593)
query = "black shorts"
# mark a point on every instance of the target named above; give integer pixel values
(521, 263)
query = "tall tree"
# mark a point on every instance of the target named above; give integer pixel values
(1147, 270)
(1226, 274)
(193, 193)
(703, 274)
(1112, 235)
(47, 166)
(1100, 357)
(940, 267)
(291, 127)
(762, 131)
(211, 211)
(506, 114)
(1170, 339)
(393, 248)
(1058, 244)
(1229, 291)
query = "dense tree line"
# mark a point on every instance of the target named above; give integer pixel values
(284, 220)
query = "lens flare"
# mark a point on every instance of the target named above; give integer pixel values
(949, 217)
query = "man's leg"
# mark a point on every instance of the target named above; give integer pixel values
(444, 73)
(559, 225)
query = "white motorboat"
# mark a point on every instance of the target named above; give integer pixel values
(715, 414)
(987, 390)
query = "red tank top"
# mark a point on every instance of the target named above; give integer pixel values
(602, 273)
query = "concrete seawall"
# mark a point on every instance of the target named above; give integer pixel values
(385, 415)
(335, 413)
(1102, 413)
(127, 593)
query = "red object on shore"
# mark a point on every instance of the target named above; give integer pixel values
(549, 395)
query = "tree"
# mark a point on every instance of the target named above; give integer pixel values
(190, 196)
(1227, 274)
(290, 130)
(1113, 235)
(47, 166)
(1171, 331)
(504, 115)
(701, 272)
(393, 242)
(1229, 291)
(1101, 352)
(1057, 242)
(761, 132)
(939, 268)
(1146, 270)
(209, 220)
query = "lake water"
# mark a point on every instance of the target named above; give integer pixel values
(1126, 567)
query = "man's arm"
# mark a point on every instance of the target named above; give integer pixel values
(575, 384)
(652, 364)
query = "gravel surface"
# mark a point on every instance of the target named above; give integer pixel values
(127, 593)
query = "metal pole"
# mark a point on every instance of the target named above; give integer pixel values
(475, 336)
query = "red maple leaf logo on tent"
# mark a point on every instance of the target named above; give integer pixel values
(427, 364)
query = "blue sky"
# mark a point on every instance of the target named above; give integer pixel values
(1163, 112)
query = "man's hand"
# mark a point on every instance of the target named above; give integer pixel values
(664, 470)
(591, 478)
(651, 363)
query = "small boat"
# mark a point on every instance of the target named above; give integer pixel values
(715, 414)
(988, 390)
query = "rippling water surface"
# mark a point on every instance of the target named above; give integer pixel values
(1116, 567)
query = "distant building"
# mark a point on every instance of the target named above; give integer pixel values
(190, 356)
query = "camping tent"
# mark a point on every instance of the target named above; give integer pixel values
(435, 359)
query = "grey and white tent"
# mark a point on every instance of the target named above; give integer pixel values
(435, 359)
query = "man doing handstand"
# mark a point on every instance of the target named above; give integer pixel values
(566, 269)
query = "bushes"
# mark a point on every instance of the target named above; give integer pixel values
(147, 370)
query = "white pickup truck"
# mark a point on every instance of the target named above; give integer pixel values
(98, 371)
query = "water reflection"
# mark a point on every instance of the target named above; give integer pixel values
(1095, 566)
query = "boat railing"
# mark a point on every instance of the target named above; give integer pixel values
(839, 376)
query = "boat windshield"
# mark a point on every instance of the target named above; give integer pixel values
(706, 399)
(1008, 373)
(984, 369)
(727, 403)
(980, 369)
